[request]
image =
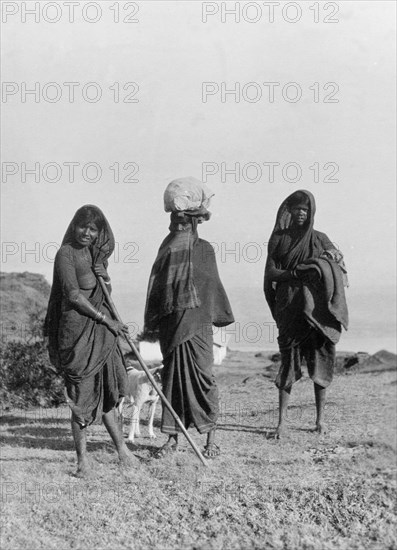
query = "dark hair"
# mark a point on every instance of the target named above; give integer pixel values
(298, 198)
(88, 214)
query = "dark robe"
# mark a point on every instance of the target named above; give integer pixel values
(304, 290)
(183, 321)
(86, 352)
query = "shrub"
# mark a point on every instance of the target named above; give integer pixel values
(27, 377)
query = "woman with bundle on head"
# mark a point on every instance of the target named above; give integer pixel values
(185, 299)
(304, 287)
(83, 334)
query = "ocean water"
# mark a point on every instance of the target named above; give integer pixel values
(372, 315)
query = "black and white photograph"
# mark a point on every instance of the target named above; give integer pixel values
(198, 275)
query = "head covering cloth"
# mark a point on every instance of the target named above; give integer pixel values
(187, 195)
(104, 244)
(305, 243)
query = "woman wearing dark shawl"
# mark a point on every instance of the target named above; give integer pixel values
(82, 333)
(185, 298)
(304, 287)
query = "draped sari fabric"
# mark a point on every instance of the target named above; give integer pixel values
(308, 306)
(185, 299)
(86, 352)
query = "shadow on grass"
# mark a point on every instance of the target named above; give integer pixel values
(138, 447)
(31, 432)
(45, 439)
(242, 428)
(25, 419)
(52, 434)
(29, 459)
(35, 435)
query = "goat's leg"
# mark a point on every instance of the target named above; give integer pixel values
(137, 415)
(134, 427)
(152, 409)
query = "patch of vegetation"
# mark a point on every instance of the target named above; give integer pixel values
(27, 377)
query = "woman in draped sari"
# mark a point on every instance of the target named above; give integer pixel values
(304, 287)
(82, 333)
(185, 299)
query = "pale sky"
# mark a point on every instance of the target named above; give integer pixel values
(170, 132)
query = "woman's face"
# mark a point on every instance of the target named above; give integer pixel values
(299, 214)
(85, 233)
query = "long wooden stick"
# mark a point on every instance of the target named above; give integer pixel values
(150, 376)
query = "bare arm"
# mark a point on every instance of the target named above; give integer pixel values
(101, 271)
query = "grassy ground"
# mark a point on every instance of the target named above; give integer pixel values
(335, 491)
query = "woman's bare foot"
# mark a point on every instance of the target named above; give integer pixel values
(321, 428)
(211, 450)
(169, 447)
(83, 469)
(128, 460)
(280, 432)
